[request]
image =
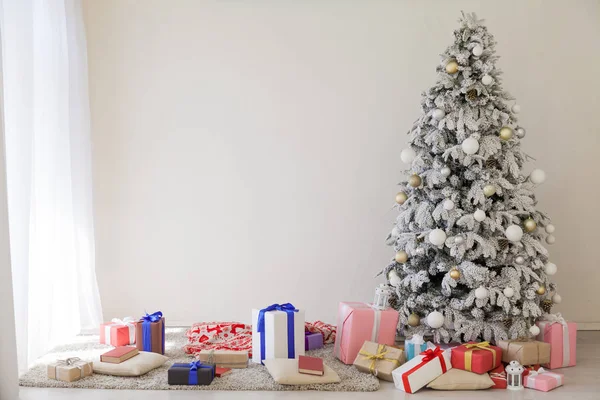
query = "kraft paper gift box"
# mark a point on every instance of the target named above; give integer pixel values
(70, 370)
(498, 375)
(476, 357)
(224, 358)
(118, 332)
(526, 352)
(358, 322)
(277, 332)
(313, 340)
(424, 368)
(543, 380)
(561, 335)
(194, 373)
(150, 333)
(379, 360)
(414, 346)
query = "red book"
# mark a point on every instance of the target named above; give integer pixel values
(222, 371)
(119, 354)
(310, 365)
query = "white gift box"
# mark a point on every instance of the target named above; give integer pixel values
(424, 368)
(276, 335)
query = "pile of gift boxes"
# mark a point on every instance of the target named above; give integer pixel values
(366, 338)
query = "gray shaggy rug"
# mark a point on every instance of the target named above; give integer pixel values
(255, 377)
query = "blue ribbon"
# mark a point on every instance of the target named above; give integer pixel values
(193, 366)
(148, 319)
(289, 309)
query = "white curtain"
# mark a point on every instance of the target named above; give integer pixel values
(48, 157)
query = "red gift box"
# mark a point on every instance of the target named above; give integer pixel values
(476, 357)
(498, 375)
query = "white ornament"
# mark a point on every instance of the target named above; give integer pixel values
(448, 205)
(556, 299)
(520, 260)
(395, 232)
(394, 278)
(514, 233)
(437, 237)
(550, 239)
(521, 133)
(477, 50)
(487, 80)
(550, 268)
(516, 109)
(481, 292)
(407, 155)
(445, 172)
(534, 330)
(509, 292)
(470, 146)
(435, 319)
(479, 215)
(458, 240)
(537, 176)
(438, 114)
(550, 228)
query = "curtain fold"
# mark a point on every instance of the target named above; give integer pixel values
(49, 177)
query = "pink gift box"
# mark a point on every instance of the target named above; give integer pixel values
(543, 380)
(358, 322)
(561, 336)
(118, 332)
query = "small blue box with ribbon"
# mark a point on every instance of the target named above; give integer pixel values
(277, 332)
(194, 373)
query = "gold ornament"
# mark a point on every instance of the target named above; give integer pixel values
(546, 305)
(489, 190)
(414, 320)
(529, 225)
(541, 290)
(401, 257)
(471, 94)
(455, 273)
(452, 67)
(506, 133)
(414, 180)
(401, 197)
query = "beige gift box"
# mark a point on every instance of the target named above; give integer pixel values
(379, 359)
(69, 370)
(526, 352)
(224, 358)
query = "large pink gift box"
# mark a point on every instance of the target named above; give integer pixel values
(358, 322)
(543, 380)
(561, 335)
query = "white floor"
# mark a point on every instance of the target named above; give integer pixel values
(582, 383)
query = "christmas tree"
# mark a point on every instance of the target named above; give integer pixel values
(469, 259)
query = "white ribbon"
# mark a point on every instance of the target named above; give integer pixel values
(70, 362)
(417, 339)
(376, 323)
(549, 319)
(129, 322)
(533, 374)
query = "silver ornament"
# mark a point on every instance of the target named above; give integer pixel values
(445, 172)
(521, 133)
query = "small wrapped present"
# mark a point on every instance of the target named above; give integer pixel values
(562, 337)
(277, 332)
(70, 370)
(424, 368)
(414, 346)
(313, 340)
(327, 330)
(150, 333)
(379, 360)
(194, 373)
(224, 358)
(118, 332)
(543, 380)
(476, 357)
(525, 351)
(358, 322)
(498, 376)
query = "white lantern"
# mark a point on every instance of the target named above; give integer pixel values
(514, 376)
(382, 294)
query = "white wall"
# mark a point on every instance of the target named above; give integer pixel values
(247, 153)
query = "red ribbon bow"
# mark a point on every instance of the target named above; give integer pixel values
(431, 354)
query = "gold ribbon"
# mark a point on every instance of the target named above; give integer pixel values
(378, 356)
(477, 346)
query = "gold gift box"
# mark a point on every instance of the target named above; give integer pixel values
(526, 352)
(379, 359)
(70, 370)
